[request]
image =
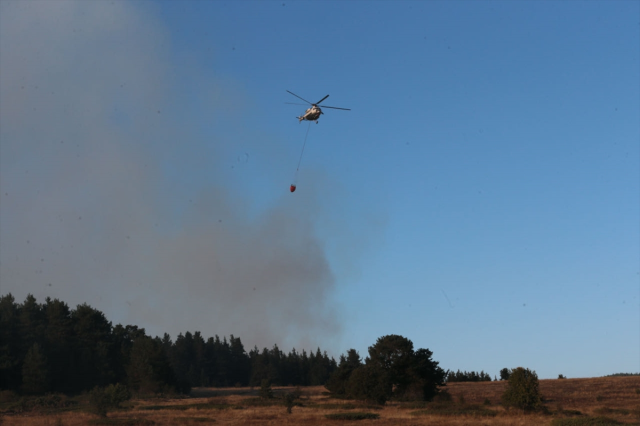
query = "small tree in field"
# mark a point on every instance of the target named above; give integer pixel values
(102, 400)
(289, 399)
(265, 389)
(522, 390)
(505, 373)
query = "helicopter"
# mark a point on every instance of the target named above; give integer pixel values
(313, 113)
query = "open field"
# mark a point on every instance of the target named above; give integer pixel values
(568, 402)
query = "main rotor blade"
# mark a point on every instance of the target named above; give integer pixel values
(294, 103)
(300, 98)
(346, 109)
(318, 103)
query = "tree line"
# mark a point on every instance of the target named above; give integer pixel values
(467, 376)
(49, 347)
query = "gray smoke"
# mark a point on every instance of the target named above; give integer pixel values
(94, 206)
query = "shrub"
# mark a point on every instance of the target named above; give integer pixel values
(352, 416)
(608, 410)
(587, 421)
(103, 399)
(98, 401)
(447, 409)
(522, 390)
(117, 394)
(121, 422)
(8, 396)
(265, 389)
(443, 396)
(288, 401)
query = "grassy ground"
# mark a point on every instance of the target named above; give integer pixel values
(569, 402)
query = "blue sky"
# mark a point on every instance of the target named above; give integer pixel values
(482, 196)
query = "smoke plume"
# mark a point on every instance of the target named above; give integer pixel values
(105, 199)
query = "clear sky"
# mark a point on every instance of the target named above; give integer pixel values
(482, 196)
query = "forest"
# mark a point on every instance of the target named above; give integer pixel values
(49, 347)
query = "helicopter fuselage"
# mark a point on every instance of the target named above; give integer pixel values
(312, 114)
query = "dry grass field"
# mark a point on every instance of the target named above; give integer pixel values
(568, 402)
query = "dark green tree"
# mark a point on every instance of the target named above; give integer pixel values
(149, 369)
(123, 338)
(239, 362)
(293, 362)
(522, 390)
(394, 354)
(305, 367)
(265, 389)
(101, 400)
(505, 373)
(465, 376)
(92, 348)
(260, 369)
(369, 383)
(11, 355)
(32, 322)
(321, 368)
(427, 376)
(35, 372)
(337, 382)
(289, 399)
(59, 341)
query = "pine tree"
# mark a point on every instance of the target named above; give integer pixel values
(10, 343)
(337, 382)
(35, 372)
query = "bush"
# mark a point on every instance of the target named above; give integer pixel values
(121, 422)
(448, 409)
(608, 410)
(117, 394)
(443, 396)
(352, 416)
(588, 421)
(48, 402)
(8, 396)
(522, 390)
(103, 399)
(289, 398)
(265, 389)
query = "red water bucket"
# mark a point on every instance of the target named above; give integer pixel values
(292, 188)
